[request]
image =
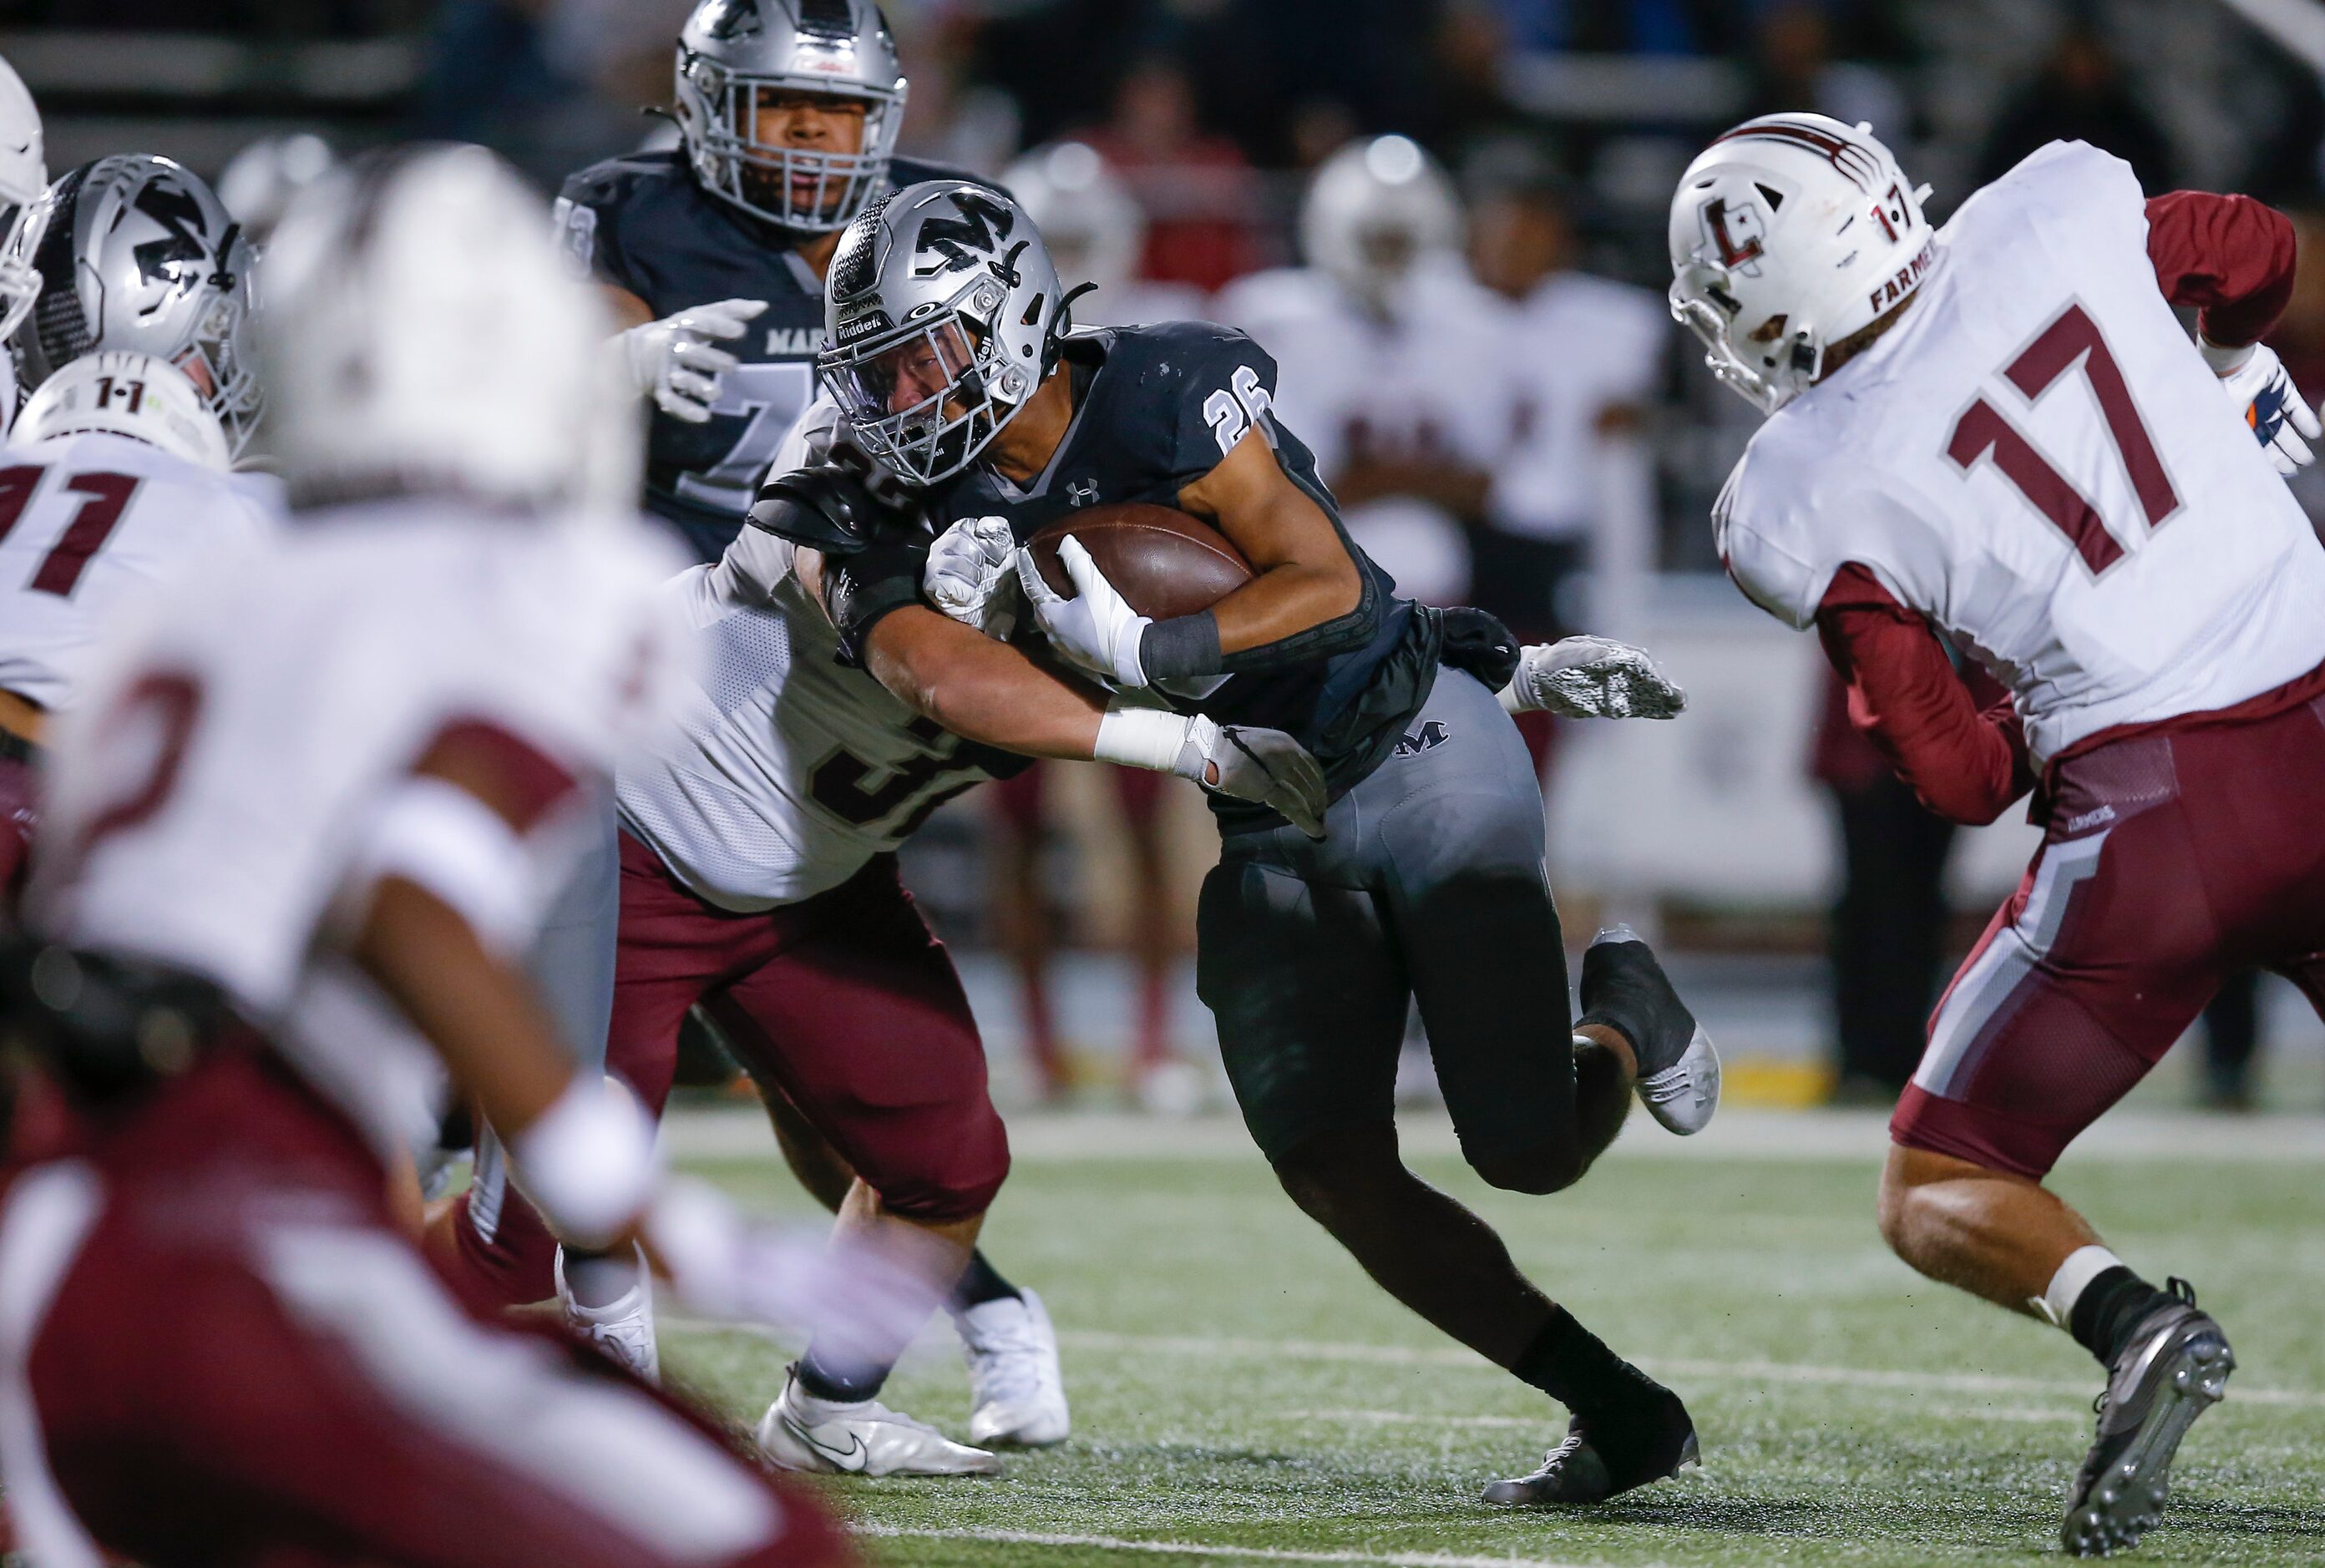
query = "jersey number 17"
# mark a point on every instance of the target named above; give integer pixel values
(1984, 432)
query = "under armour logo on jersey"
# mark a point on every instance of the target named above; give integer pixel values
(1081, 491)
(1427, 738)
(1736, 231)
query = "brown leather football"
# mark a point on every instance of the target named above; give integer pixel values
(1165, 562)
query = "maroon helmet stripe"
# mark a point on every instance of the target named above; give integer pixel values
(1851, 160)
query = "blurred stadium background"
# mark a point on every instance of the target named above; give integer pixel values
(1801, 886)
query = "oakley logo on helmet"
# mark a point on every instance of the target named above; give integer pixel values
(960, 243)
(165, 260)
(1736, 232)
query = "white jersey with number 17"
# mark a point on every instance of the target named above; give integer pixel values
(91, 524)
(2037, 458)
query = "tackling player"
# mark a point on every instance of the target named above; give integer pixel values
(296, 834)
(953, 357)
(1999, 432)
(759, 881)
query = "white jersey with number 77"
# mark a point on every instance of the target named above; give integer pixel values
(2037, 457)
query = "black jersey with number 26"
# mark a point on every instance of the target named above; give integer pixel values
(1157, 407)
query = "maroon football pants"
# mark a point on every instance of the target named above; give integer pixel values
(846, 1003)
(2175, 859)
(241, 1362)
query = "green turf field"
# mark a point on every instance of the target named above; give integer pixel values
(1243, 1394)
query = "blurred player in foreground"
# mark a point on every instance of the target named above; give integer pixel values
(293, 833)
(1999, 431)
(954, 363)
(23, 176)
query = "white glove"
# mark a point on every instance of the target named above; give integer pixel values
(2261, 392)
(1097, 629)
(1265, 766)
(970, 577)
(725, 1266)
(1591, 678)
(675, 362)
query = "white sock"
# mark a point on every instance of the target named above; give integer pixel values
(594, 1282)
(2083, 1266)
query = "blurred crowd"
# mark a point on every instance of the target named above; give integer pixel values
(1444, 217)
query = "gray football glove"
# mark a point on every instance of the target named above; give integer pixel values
(1591, 678)
(1265, 766)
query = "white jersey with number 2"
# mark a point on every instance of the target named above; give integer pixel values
(2037, 458)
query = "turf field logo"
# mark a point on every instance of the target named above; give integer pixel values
(1427, 738)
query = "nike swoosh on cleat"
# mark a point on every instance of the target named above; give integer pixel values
(850, 1459)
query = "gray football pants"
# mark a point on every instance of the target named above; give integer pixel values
(1429, 884)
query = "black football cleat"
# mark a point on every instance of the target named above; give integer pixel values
(1606, 1457)
(2175, 1367)
(1623, 988)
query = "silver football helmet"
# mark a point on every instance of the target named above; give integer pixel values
(733, 51)
(942, 314)
(1375, 210)
(24, 175)
(137, 254)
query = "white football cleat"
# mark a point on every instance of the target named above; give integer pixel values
(859, 1437)
(622, 1330)
(1017, 1394)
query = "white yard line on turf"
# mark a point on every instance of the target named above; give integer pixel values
(1668, 1366)
(1761, 1371)
(1202, 1549)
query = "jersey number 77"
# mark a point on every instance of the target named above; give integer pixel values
(2072, 338)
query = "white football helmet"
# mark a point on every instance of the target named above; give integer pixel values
(1376, 208)
(421, 336)
(141, 396)
(259, 182)
(1788, 234)
(1094, 227)
(24, 175)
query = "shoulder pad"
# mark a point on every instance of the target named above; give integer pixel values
(828, 508)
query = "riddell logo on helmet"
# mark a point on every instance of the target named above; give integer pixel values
(1908, 278)
(1736, 231)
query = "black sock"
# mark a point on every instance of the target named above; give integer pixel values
(980, 1282)
(821, 1379)
(2109, 1309)
(1574, 1367)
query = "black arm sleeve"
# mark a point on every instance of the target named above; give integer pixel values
(861, 588)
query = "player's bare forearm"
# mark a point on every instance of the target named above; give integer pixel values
(982, 691)
(1305, 575)
(479, 1012)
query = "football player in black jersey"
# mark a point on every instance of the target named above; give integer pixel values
(715, 255)
(953, 361)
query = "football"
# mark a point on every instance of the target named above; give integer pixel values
(1165, 562)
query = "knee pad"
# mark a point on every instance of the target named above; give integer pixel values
(954, 1172)
(1550, 1168)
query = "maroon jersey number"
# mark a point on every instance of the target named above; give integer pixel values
(2071, 340)
(109, 497)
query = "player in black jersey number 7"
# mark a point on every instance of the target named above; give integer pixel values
(954, 359)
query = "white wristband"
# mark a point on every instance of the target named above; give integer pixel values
(587, 1162)
(2225, 362)
(1142, 737)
